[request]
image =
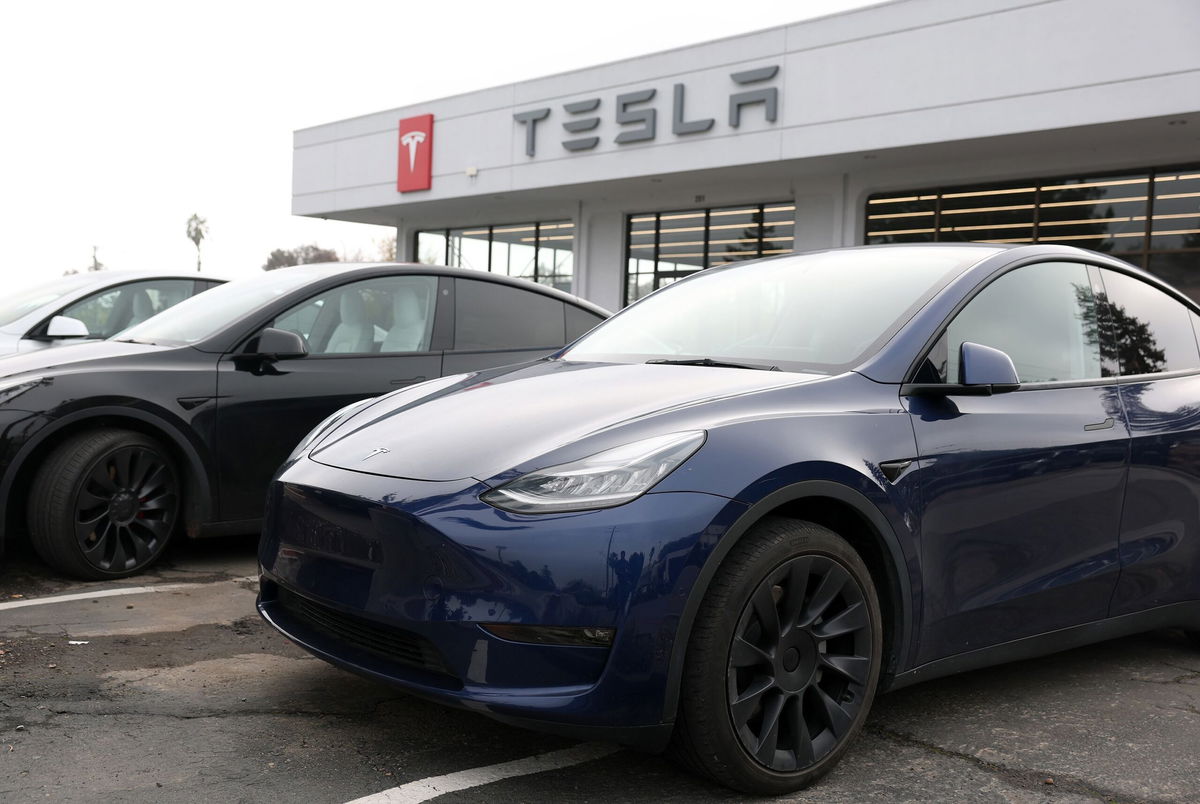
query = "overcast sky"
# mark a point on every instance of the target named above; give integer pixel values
(118, 120)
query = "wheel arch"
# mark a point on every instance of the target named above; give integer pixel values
(14, 487)
(852, 516)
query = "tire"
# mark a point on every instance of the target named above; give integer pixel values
(104, 504)
(789, 633)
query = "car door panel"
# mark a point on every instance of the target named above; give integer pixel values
(264, 414)
(1155, 339)
(267, 406)
(1021, 505)
(1160, 524)
(1022, 491)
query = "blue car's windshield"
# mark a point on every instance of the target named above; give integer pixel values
(824, 311)
(202, 316)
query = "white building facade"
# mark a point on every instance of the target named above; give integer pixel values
(1074, 121)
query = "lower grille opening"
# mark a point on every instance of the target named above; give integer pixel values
(392, 644)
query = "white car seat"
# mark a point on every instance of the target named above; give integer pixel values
(408, 328)
(354, 334)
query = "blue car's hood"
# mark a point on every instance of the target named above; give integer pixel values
(483, 424)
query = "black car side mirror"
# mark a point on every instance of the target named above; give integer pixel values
(277, 344)
(982, 371)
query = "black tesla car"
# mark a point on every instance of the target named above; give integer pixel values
(108, 448)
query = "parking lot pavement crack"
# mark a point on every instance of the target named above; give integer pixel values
(1183, 679)
(1190, 673)
(1019, 778)
(1191, 709)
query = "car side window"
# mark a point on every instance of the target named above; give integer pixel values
(580, 321)
(1043, 316)
(388, 314)
(108, 312)
(489, 315)
(1150, 332)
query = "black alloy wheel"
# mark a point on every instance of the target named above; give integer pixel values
(783, 660)
(799, 663)
(104, 504)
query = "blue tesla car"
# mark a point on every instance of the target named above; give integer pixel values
(725, 519)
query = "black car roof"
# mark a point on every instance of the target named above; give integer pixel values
(327, 269)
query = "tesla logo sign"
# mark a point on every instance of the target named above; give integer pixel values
(415, 164)
(636, 112)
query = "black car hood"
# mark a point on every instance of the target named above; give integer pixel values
(62, 358)
(488, 423)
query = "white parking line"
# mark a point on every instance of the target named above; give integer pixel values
(128, 590)
(434, 786)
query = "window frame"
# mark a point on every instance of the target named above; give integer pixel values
(38, 331)
(440, 335)
(1092, 272)
(536, 277)
(758, 208)
(454, 348)
(1180, 299)
(1141, 258)
(1092, 265)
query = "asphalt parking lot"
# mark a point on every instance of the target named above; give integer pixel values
(180, 693)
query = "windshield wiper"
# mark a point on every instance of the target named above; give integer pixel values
(708, 361)
(134, 340)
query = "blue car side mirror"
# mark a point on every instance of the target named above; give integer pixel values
(982, 371)
(980, 365)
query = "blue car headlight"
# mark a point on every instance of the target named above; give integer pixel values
(612, 477)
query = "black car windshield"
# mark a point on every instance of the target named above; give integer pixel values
(825, 311)
(21, 303)
(202, 316)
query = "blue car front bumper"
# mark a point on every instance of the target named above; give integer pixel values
(398, 580)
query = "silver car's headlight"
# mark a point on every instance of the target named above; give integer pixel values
(612, 477)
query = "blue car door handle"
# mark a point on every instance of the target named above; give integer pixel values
(1104, 425)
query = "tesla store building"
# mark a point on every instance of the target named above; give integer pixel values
(1003, 121)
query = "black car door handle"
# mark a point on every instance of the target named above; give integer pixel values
(408, 381)
(1104, 425)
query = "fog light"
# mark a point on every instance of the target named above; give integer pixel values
(553, 634)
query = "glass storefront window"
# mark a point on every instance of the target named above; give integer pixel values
(1150, 218)
(666, 246)
(542, 252)
(469, 249)
(1175, 223)
(431, 248)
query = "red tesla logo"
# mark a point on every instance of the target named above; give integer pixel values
(415, 168)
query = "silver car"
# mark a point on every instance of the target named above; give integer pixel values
(90, 306)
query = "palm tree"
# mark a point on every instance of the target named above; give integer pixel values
(196, 230)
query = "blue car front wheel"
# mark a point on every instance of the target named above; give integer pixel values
(784, 660)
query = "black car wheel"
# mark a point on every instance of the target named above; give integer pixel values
(783, 661)
(104, 504)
